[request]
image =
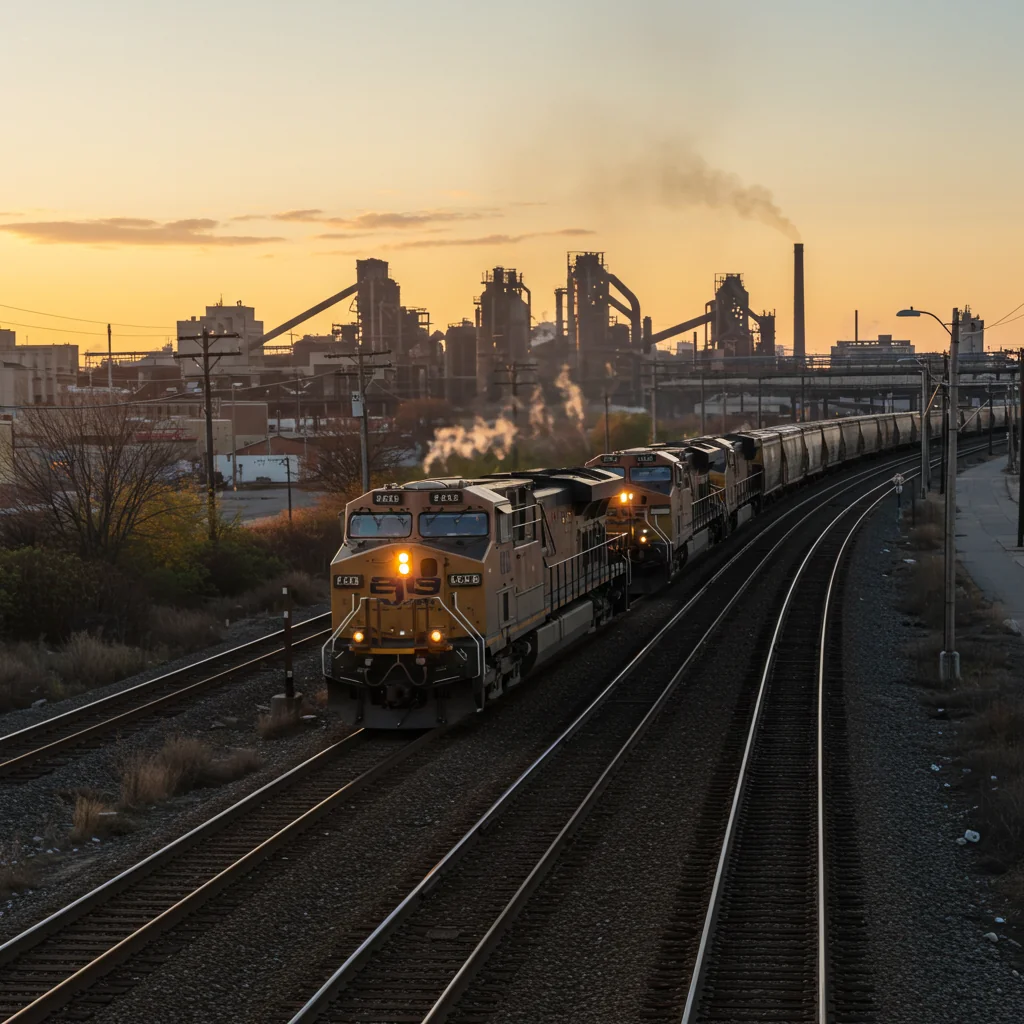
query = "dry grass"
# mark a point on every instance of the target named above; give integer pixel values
(87, 661)
(275, 725)
(268, 598)
(15, 872)
(182, 630)
(25, 676)
(92, 817)
(182, 764)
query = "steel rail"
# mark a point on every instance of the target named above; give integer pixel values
(701, 962)
(22, 760)
(410, 903)
(41, 1008)
(60, 994)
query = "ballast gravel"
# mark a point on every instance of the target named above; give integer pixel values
(929, 908)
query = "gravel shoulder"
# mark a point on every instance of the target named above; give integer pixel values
(929, 906)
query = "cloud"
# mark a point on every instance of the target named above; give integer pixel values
(130, 231)
(292, 216)
(335, 235)
(377, 221)
(434, 243)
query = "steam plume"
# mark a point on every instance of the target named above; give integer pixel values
(479, 439)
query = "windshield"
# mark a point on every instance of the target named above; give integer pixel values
(617, 470)
(380, 524)
(650, 474)
(453, 524)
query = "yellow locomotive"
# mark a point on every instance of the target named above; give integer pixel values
(446, 592)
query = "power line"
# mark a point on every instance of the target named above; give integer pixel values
(84, 320)
(1002, 318)
(71, 330)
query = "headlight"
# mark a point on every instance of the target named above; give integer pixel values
(358, 636)
(403, 556)
(643, 540)
(436, 636)
(623, 497)
(403, 563)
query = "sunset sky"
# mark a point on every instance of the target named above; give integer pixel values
(157, 157)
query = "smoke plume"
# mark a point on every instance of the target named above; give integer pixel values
(572, 398)
(679, 177)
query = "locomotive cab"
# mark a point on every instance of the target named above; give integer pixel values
(446, 592)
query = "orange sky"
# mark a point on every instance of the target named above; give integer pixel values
(158, 159)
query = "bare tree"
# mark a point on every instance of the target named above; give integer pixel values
(335, 460)
(93, 472)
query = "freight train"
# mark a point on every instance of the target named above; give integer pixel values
(446, 592)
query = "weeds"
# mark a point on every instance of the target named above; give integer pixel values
(182, 630)
(15, 872)
(182, 764)
(92, 817)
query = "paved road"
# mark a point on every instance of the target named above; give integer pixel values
(986, 534)
(255, 503)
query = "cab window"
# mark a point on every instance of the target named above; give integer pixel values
(617, 470)
(453, 524)
(655, 478)
(379, 524)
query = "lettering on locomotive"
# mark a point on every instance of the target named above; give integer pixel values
(342, 582)
(388, 497)
(446, 497)
(398, 588)
(465, 579)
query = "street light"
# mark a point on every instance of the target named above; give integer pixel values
(949, 659)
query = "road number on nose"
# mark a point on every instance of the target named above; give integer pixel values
(342, 582)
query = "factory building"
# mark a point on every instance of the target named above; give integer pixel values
(972, 334)
(35, 374)
(221, 319)
(881, 350)
(502, 329)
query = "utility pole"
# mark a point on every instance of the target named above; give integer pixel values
(654, 399)
(945, 424)
(110, 362)
(514, 370)
(363, 411)
(204, 363)
(607, 430)
(703, 416)
(925, 424)
(1020, 467)
(949, 660)
(990, 420)
(759, 403)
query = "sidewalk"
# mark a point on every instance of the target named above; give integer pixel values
(986, 534)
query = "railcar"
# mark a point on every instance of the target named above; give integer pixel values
(446, 593)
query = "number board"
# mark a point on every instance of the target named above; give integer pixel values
(341, 582)
(446, 497)
(465, 579)
(609, 458)
(388, 497)
(645, 458)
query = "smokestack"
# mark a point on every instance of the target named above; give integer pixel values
(856, 325)
(799, 337)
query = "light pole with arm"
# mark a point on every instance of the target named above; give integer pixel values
(949, 659)
(234, 443)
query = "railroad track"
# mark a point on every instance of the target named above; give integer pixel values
(40, 748)
(423, 957)
(48, 964)
(77, 948)
(765, 951)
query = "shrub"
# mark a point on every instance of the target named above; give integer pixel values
(309, 542)
(46, 593)
(239, 562)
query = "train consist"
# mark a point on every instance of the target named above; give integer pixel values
(446, 593)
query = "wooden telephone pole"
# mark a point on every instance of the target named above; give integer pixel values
(206, 362)
(362, 384)
(513, 370)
